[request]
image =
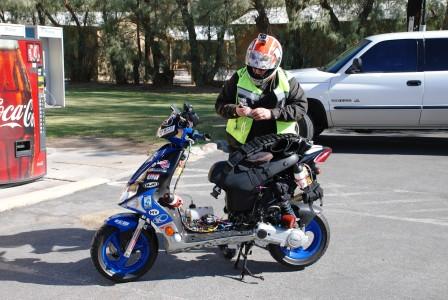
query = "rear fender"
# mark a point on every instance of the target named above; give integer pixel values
(312, 153)
(307, 213)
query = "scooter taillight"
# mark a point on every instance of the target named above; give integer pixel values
(323, 156)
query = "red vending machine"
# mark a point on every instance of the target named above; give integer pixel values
(22, 106)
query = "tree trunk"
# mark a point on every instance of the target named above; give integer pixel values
(194, 49)
(292, 57)
(262, 19)
(41, 10)
(82, 72)
(2, 16)
(334, 21)
(219, 57)
(138, 59)
(414, 9)
(445, 20)
(148, 67)
(366, 10)
(40, 14)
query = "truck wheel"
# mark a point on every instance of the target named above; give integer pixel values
(306, 127)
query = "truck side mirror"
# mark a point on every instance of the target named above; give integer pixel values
(356, 66)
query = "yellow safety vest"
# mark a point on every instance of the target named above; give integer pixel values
(247, 91)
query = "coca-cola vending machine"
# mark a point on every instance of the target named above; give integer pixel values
(22, 99)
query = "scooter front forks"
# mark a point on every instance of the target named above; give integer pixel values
(135, 236)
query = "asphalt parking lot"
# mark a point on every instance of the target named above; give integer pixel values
(385, 199)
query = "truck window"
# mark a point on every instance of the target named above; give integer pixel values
(436, 54)
(391, 56)
(340, 61)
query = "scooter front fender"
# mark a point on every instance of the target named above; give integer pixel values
(123, 221)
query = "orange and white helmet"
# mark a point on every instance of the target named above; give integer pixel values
(265, 52)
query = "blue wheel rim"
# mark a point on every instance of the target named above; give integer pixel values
(116, 263)
(301, 253)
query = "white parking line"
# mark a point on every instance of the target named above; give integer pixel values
(395, 218)
(384, 202)
(195, 176)
(427, 210)
(196, 170)
(196, 185)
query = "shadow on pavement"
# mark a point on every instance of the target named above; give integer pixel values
(60, 264)
(405, 145)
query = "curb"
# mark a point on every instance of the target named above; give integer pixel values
(50, 193)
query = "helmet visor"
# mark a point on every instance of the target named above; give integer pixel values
(260, 61)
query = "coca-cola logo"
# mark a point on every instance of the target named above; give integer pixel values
(10, 116)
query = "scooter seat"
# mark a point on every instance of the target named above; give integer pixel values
(260, 158)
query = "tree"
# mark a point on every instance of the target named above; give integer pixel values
(445, 19)
(13, 11)
(187, 17)
(216, 15)
(158, 16)
(367, 7)
(79, 11)
(413, 10)
(262, 19)
(45, 9)
(334, 21)
(293, 56)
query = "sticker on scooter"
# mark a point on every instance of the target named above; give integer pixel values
(121, 222)
(151, 184)
(147, 202)
(153, 212)
(152, 176)
(158, 170)
(163, 131)
(160, 219)
(164, 164)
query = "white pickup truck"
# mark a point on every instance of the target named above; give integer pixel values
(387, 81)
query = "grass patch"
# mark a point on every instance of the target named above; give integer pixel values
(130, 113)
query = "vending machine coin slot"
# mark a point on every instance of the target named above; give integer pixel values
(23, 148)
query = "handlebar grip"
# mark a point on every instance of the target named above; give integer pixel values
(201, 136)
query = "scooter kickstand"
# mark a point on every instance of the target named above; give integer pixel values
(245, 270)
(239, 256)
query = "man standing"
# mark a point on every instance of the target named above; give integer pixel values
(261, 98)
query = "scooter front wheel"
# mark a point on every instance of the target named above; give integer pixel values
(108, 248)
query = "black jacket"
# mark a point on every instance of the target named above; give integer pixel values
(295, 107)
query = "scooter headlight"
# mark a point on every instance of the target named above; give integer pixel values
(129, 192)
(132, 189)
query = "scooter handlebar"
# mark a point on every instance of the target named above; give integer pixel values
(197, 136)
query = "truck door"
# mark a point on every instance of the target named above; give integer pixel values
(435, 99)
(387, 92)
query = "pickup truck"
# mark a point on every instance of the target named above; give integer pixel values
(387, 81)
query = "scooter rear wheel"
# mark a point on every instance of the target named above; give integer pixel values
(318, 231)
(107, 253)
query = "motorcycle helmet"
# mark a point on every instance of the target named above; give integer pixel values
(265, 52)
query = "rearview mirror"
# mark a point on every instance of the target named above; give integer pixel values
(356, 66)
(174, 109)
